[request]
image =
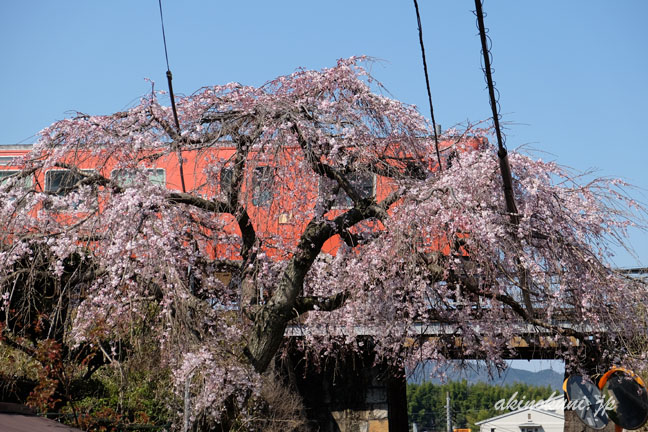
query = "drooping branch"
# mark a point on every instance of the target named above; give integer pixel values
(199, 202)
(471, 285)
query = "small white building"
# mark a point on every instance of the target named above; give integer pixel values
(541, 417)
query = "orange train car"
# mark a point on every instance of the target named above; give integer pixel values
(274, 213)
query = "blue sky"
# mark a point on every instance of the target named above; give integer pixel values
(572, 75)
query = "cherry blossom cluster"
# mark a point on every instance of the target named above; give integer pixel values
(259, 243)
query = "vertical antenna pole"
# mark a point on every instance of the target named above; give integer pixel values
(448, 416)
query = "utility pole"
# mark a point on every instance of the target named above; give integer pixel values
(187, 405)
(448, 417)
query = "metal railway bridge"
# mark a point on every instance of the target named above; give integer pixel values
(355, 393)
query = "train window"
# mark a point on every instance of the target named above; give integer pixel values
(225, 179)
(61, 182)
(363, 182)
(5, 174)
(262, 186)
(126, 177)
(7, 160)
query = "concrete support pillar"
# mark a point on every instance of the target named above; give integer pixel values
(397, 402)
(352, 394)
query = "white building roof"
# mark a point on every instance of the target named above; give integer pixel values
(548, 407)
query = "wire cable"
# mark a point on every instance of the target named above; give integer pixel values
(427, 83)
(173, 104)
(166, 54)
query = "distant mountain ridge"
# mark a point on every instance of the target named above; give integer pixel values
(543, 378)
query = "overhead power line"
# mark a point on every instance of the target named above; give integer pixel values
(173, 104)
(427, 83)
(166, 54)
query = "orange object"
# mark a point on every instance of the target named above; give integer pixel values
(607, 375)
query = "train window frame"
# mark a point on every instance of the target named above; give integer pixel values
(28, 182)
(126, 181)
(342, 200)
(262, 186)
(48, 180)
